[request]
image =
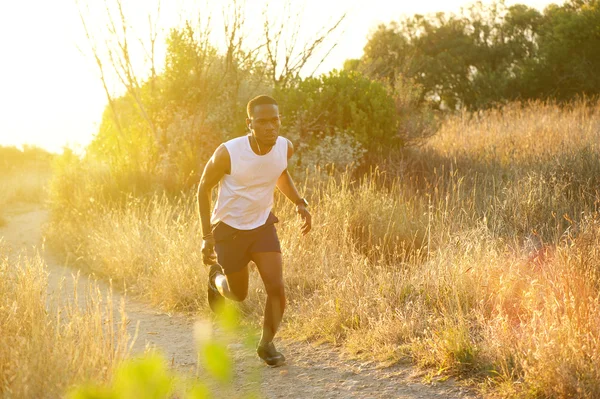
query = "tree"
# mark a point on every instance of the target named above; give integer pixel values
(387, 53)
(491, 54)
(568, 56)
(168, 120)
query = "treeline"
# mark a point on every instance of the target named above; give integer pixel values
(24, 174)
(491, 54)
(162, 130)
(15, 160)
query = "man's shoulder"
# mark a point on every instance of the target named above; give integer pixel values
(235, 144)
(286, 141)
(235, 140)
(222, 156)
(286, 145)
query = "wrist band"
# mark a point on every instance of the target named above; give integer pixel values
(204, 237)
(302, 201)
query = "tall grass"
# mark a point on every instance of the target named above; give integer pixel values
(151, 242)
(474, 255)
(46, 346)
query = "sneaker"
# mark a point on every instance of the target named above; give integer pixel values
(215, 299)
(269, 354)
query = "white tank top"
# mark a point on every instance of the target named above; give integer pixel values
(245, 196)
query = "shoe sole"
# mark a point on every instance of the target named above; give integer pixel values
(274, 365)
(215, 299)
(271, 362)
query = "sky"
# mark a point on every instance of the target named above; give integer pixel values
(50, 92)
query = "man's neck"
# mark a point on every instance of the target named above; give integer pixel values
(259, 149)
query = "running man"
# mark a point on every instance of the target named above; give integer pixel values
(242, 226)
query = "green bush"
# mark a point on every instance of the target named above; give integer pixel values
(341, 100)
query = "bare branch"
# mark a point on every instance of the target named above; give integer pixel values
(314, 45)
(96, 55)
(122, 65)
(282, 70)
(149, 55)
(271, 46)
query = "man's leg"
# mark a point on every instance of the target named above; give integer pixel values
(233, 286)
(269, 266)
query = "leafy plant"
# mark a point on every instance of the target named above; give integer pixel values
(343, 101)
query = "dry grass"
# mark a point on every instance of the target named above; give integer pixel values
(520, 133)
(150, 243)
(476, 257)
(47, 347)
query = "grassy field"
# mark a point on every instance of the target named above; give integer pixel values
(47, 347)
(474, 255)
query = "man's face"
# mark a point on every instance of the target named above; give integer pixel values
(265, 123)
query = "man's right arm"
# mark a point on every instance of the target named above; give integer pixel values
(218, 165)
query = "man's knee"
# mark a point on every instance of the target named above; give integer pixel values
(275, 289)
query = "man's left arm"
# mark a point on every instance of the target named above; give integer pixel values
(286, 185)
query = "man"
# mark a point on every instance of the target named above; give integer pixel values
(241, 228)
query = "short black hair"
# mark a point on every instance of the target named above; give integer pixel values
(259, 100)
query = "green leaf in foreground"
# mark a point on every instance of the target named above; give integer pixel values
(215, 358)
(144, 378)
(199, 391)
(229, 318)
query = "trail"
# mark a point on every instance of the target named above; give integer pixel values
(311, 371)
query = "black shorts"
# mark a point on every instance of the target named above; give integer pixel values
(235, 247)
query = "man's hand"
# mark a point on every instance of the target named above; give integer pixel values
(305, 215)
(208, 250)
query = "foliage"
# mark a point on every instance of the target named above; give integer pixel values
(568, 57)
(193, 105)
(141, 378)
(168, 124)
(491, 54)
(339, 151)
(342, 100)
(158, 134)
(416, 122)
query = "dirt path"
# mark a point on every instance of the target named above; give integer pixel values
(311, 372)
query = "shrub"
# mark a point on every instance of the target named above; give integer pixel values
(340, 152)
(340, 101)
